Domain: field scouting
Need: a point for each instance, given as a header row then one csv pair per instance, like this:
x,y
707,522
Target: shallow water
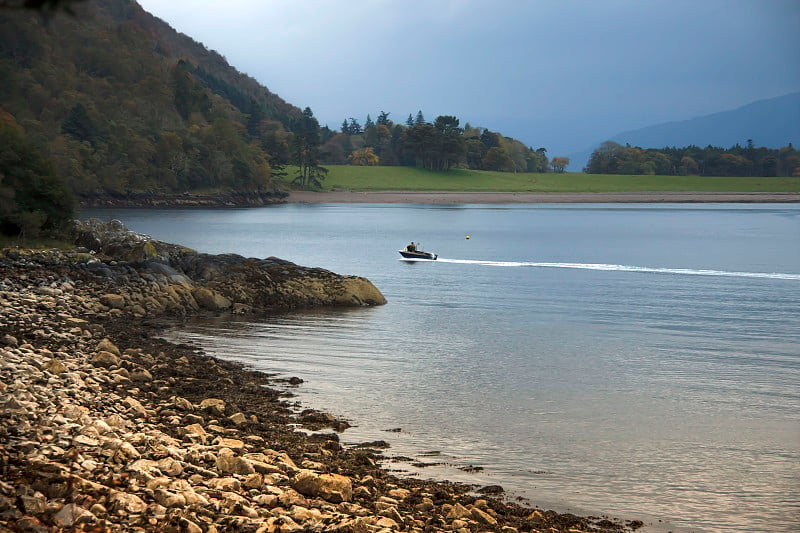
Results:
x,y
640,361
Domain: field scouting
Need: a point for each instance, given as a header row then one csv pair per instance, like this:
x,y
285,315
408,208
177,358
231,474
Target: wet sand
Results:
x,y
454,198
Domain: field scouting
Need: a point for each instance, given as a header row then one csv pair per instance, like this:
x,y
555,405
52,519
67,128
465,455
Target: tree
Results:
x,y
605,159
688,166
79,125
490,139
452,148
33,197
364,157
368,123
305,151
420,119
559,164
537,160
355,127
189,95
383,119
410,121
498,159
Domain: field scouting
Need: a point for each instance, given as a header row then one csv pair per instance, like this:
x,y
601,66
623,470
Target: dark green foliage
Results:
x,y
189,94
305,152
613,158
383,119
42,5
33,198
118,101
79,125
439,146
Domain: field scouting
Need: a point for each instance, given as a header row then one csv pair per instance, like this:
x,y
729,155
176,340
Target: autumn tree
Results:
x,y
559,164
364,157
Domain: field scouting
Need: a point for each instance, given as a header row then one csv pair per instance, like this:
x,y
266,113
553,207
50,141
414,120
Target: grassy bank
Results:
x,y
413,179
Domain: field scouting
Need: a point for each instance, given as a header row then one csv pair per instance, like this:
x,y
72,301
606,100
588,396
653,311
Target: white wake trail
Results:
x,y
627,268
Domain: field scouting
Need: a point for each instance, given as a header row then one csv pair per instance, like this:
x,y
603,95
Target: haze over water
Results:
x,y
637,360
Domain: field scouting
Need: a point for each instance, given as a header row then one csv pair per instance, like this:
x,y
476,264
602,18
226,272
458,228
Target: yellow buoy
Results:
x,y
467,237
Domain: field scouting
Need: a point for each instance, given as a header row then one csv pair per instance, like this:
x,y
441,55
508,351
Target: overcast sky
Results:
x,y
563,74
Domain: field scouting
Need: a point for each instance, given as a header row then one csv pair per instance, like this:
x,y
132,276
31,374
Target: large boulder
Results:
x,y
211,300
332,487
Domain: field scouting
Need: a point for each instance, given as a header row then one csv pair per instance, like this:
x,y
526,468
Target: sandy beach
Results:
x,y
453,198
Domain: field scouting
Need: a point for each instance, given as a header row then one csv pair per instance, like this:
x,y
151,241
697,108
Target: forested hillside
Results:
x,y
117,101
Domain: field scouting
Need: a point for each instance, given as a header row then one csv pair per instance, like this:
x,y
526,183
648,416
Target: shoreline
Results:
x,y
106,426
456,198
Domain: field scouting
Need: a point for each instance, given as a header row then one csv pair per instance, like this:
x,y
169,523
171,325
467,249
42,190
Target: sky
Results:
x,y
560,74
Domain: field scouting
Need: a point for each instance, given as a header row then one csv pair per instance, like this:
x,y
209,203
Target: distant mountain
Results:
x,y
772,123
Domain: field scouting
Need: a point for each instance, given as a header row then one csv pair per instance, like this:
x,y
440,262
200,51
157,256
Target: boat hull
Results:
x,y
418,255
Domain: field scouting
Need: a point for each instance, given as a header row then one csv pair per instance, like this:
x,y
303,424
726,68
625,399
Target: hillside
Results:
x,y
118,101
772,123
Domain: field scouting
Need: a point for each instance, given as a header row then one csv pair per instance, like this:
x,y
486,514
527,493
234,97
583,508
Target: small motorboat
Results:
x,y
412,251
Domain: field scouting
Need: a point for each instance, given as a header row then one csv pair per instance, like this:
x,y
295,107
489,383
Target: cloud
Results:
x,y
596,66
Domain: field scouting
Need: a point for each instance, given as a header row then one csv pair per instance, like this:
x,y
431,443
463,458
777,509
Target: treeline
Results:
x,y
748,160
439,145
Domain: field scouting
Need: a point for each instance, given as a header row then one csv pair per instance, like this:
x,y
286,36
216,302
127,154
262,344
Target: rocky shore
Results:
x,y
191,200
105,427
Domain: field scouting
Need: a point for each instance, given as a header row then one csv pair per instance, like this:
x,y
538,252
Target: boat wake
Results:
x,y
627,268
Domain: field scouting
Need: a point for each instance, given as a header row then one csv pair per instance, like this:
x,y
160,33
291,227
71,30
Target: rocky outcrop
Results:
x,y
189,200
157,277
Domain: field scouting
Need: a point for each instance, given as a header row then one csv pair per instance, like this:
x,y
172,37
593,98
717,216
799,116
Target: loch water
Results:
x,y
635,360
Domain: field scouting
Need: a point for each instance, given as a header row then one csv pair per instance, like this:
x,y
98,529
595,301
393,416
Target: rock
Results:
x,y
197,430
182,404
72,515
234,444
114,301
254,481
400,494
213,405
458,511
170,466
229,463
9,340
482,517
141,375
168,498
135,406
211,300
332,487
227,484
105,359
106,345
54,366
238,418
358,291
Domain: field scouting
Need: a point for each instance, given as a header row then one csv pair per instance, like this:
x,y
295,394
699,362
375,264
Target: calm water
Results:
x,y
639,361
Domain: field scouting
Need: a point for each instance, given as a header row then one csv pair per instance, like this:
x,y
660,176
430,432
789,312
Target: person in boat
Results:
x,y
411,247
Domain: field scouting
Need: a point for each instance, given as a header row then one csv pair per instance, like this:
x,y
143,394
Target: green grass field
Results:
x,y
356,178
